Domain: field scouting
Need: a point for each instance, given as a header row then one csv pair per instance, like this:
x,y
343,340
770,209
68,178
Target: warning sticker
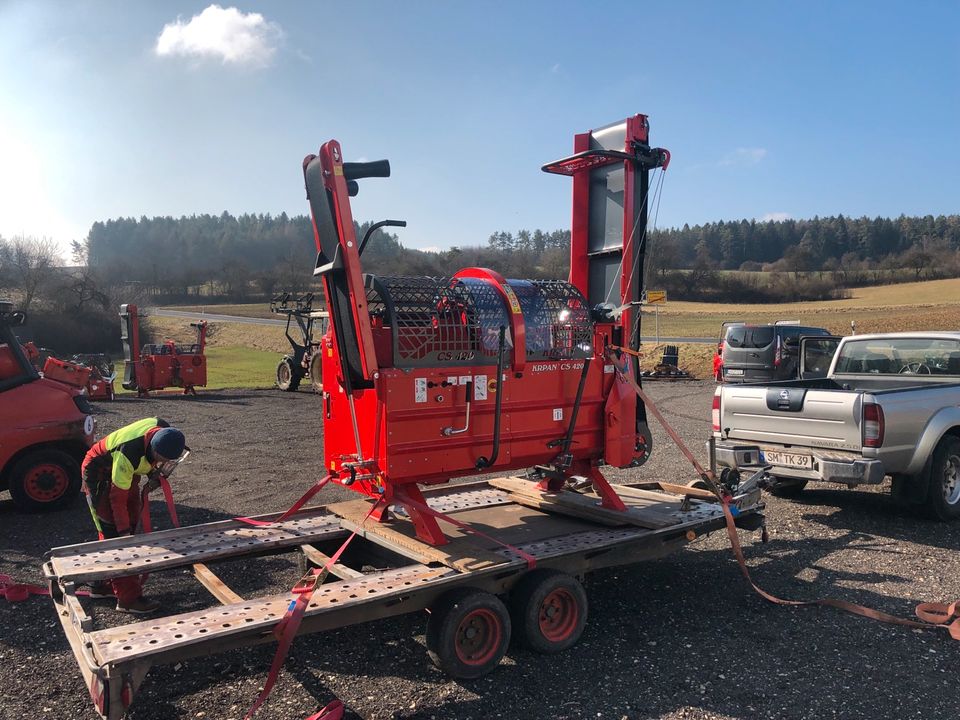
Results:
x,y
479,387
452,380
512,299
558,413
608,369
420,390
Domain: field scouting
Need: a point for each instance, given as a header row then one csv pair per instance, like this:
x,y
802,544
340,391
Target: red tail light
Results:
x,y
715,413
872,425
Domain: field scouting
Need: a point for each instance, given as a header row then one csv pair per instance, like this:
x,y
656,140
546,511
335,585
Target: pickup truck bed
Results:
x,y
853,427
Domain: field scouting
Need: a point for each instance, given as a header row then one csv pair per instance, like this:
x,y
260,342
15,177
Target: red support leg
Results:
x,y
609,499
428,530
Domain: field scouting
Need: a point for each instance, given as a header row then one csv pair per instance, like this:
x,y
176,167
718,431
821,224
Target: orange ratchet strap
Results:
x,y
933,616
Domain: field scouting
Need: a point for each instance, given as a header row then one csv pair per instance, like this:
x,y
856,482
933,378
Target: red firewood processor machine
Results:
x,y
156,366
428,379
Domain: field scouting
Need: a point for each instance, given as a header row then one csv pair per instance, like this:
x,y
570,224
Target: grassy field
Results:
x,y
254,310
931,305
234,367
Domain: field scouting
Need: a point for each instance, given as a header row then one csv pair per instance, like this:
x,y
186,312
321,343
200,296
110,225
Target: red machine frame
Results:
x,y
391,423
155,367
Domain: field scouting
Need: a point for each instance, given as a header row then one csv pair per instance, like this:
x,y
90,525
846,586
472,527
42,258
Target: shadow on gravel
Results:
x,y
876,513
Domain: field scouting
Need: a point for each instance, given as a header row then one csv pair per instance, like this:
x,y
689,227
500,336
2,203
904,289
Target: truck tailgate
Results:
x,y
792,416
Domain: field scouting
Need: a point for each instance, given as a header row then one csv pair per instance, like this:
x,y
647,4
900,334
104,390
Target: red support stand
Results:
x,y
609,499
427,527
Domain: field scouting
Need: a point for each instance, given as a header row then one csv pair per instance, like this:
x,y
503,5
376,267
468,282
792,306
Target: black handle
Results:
x,y
359,170
376,226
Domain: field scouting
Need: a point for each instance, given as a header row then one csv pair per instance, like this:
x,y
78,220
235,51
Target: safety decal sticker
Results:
x,y
420,390
479,387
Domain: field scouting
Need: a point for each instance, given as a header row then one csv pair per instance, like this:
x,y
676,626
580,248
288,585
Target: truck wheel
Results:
x,y
787,487
548,610
943,493
44,480
288,379
316,371
468,633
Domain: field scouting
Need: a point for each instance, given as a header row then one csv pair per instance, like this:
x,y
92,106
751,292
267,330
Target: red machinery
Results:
x,y
158,366
46,427
426,379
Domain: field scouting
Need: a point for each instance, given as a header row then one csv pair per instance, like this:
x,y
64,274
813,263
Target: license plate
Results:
x,y
733,372
796,460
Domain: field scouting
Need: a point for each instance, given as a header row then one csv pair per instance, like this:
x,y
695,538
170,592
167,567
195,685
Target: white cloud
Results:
x,y
220,33
775,217
744,156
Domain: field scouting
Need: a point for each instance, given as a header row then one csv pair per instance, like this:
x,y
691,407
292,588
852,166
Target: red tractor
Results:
x,y
46,427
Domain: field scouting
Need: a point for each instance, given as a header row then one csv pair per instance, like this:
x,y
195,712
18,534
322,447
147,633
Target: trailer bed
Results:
x,y
565,530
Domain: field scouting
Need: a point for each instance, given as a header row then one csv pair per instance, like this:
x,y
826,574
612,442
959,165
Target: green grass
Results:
x,y
240,367
234,367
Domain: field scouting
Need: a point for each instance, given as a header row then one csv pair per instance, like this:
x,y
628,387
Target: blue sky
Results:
x,y
769,109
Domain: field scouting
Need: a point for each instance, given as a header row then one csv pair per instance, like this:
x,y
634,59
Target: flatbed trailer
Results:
x,y
563,530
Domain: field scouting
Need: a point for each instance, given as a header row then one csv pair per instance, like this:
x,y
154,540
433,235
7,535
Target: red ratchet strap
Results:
x,y
286,630
934,616
18,592
293,508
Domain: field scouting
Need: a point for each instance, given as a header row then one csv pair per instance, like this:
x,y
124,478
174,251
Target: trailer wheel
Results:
x,y
44,480
288,379
787,487
468,633
943,492
316,371
549,611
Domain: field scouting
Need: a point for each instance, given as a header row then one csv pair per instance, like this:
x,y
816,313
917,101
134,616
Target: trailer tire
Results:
x,y
43,480
468,633
316,370
787,487
943,491
288,379
549,611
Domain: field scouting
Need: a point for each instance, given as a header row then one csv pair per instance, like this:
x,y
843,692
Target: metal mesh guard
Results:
x,y
557,320
456,321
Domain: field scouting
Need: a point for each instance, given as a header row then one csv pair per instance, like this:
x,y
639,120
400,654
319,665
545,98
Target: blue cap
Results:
x,y
168,442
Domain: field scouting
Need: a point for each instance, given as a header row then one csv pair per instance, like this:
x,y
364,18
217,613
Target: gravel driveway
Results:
x,y
682,637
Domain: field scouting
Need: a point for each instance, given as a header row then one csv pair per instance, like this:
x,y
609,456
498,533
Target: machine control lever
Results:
x,y
449,431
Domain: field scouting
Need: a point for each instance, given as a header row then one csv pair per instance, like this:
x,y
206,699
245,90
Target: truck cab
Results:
x,y
46,427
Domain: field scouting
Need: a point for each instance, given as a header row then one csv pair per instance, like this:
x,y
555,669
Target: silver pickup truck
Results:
x,y
887,405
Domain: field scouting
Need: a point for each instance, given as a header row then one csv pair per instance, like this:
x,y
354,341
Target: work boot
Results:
x,y
140,606
100,590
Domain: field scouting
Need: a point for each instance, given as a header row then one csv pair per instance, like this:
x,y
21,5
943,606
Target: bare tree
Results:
x,y
33,264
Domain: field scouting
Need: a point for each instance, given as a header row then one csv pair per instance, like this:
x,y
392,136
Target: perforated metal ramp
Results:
x,y
167,549
158,637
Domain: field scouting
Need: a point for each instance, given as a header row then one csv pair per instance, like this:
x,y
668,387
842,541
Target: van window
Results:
x,y
752,337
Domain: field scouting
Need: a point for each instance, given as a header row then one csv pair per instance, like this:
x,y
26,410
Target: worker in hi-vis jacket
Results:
x,y
112,471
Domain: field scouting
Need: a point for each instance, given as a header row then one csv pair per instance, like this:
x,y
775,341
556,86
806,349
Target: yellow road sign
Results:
x,y
656,297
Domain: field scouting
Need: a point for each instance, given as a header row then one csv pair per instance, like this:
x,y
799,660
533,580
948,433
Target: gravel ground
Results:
x,y
682,637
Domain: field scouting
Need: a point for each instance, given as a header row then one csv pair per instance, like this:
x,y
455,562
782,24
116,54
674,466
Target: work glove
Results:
x,y
153,480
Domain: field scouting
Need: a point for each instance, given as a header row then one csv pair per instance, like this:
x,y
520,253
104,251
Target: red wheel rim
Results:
x,y
46,482
559,614
478,637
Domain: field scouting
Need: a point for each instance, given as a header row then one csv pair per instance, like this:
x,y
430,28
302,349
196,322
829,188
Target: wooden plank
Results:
x,y
673,488
215,585
399,535
321,559
584,506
